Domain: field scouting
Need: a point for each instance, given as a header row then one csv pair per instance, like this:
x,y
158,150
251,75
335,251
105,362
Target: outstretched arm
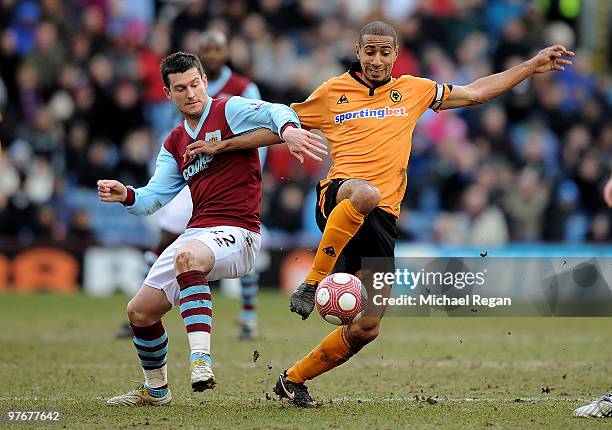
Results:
x,y
245,115
255,139
166,183
299,142
489,87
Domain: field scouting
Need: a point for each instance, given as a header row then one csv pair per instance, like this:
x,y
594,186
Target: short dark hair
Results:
x,y
179,62
378,28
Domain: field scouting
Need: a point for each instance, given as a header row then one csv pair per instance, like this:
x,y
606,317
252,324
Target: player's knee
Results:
x,y
370,334
184,260
137,317
365,198
362,334
194,255
360,338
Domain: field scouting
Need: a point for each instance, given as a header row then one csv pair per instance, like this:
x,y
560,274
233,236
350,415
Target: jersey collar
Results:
x,y
194,133
355,71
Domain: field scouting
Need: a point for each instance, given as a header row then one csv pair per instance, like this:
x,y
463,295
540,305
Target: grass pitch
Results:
x,y
58,353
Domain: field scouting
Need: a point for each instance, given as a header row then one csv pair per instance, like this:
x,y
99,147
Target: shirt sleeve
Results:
x,y
251,92
166,183
429,94
313,112
441,94
244,115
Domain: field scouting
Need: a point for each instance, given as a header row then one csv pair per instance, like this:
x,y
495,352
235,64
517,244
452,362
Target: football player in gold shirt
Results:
x,y
368,118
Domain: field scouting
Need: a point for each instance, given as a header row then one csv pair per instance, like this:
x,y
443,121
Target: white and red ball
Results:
x,y
341,298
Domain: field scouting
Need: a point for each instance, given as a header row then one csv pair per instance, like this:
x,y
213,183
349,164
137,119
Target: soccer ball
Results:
x,y
341,298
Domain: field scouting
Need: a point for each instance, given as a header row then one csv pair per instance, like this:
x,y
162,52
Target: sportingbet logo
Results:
x,y
370,113
200,164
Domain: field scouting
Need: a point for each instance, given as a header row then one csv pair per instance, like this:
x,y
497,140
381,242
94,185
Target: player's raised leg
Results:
x,y
355,199
145,311
192,261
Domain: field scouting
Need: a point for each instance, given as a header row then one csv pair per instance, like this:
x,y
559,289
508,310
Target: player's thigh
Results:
x,y
235,250
162,275
147,306
373,247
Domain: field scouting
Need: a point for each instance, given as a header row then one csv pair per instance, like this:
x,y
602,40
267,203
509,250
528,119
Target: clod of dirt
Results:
x,y
255,355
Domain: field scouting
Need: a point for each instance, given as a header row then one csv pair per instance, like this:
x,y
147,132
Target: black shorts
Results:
x,y
375,238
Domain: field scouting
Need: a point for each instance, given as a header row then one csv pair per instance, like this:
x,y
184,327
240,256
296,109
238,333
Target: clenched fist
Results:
x,y
110,190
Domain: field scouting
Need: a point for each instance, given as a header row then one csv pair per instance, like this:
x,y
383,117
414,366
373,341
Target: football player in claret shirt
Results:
x,y
222,237
223,83
368,118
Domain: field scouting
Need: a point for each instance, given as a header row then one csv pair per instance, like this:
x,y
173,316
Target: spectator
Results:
x,y
480,223
48,54
525,204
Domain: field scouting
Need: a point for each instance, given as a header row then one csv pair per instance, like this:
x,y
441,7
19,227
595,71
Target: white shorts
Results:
x,y
176,214
235,251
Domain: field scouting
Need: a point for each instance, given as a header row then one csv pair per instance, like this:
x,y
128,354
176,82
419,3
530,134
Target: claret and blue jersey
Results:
x,y
225,188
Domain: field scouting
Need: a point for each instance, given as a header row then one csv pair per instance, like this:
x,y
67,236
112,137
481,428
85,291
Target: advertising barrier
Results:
x,y
101,271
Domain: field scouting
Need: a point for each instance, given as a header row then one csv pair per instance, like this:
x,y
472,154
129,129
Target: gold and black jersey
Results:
x,y
369,129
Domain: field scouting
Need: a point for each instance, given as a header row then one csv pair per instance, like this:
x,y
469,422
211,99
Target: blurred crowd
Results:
x,y
81,99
